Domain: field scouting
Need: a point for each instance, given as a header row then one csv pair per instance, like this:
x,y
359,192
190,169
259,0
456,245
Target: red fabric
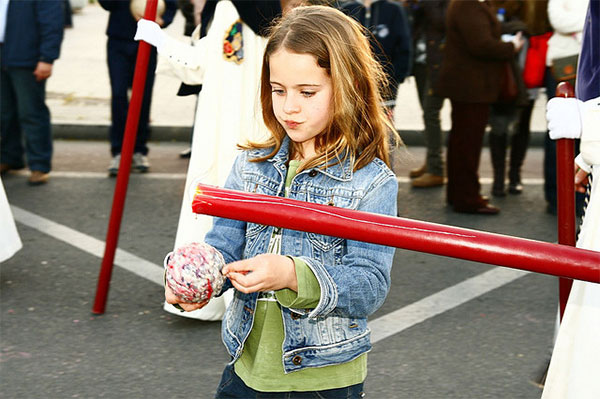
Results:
x,y
535,62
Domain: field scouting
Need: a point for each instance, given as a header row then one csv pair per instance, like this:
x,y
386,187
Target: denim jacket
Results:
x,y
354,277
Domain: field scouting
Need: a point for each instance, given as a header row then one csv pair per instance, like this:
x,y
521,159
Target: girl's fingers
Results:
x,y
245,289
245,280
169,296
188,307
246,283
239,266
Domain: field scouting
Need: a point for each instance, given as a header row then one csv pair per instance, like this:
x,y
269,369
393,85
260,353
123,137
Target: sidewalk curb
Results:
x,y
183,134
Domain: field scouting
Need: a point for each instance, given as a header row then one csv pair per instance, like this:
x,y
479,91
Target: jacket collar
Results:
x,y
341,171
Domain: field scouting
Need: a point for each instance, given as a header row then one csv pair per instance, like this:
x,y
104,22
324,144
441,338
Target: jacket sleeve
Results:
x,y
473,24
186,62
50,20
359,286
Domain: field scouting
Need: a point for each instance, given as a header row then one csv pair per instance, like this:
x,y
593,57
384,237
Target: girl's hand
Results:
x,y
188,307
266,272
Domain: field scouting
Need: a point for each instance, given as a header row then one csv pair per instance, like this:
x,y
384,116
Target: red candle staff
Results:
x,y
131,126
565,193
496,249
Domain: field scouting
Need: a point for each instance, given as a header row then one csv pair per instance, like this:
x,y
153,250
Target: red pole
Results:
x,y
478,246
131,126
565,177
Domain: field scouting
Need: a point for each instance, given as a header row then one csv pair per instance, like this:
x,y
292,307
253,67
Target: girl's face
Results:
x,y
302,97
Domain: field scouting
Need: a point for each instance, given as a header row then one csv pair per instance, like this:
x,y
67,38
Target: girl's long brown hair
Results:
x,y
358,127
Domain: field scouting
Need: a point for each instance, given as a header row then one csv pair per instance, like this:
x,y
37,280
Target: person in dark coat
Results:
x,y
29,45
391,40
121,51
471,77
505,129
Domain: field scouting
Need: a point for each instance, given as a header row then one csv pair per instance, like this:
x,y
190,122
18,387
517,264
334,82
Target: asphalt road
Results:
x,y
487,345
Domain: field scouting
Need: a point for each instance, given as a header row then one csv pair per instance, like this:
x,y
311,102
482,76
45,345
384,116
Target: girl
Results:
x,y
298,320
227,62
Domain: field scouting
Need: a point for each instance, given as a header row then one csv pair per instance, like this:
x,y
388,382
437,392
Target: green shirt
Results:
x,y
261,364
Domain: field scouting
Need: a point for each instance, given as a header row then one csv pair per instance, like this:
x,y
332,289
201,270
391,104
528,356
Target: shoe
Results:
x,y
4,167
515,188
418,172
37,178
428,180
140,163
113,168
498,192
484,209
185,153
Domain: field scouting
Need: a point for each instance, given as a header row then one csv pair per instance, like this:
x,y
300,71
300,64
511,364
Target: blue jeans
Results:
x,y
24,115
232,386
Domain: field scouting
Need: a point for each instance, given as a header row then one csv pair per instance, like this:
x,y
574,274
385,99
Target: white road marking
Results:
x,y
382,327
446,299
91,245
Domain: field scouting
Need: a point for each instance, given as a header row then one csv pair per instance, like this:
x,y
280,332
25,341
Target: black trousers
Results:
x,y
121,58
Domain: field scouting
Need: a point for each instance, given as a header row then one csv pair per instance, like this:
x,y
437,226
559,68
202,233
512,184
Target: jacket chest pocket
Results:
x,y
330,249
254,235
255,238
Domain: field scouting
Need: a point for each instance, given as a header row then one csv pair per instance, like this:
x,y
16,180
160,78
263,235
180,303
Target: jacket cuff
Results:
x,y
328,298
309,291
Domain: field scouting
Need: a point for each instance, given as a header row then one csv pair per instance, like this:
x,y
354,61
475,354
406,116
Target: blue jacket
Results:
x,y
354,277
34,32
122,25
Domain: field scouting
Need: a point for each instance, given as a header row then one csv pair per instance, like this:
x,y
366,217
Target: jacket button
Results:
x,y
297,360
312,173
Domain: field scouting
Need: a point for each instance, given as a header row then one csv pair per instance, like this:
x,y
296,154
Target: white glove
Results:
x,y
582,164
564,118
151,33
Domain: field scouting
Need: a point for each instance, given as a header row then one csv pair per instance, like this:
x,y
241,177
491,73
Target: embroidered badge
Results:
x,y
233,44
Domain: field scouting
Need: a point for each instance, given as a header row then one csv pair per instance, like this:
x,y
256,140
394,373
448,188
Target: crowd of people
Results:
x,y
309,88
435,44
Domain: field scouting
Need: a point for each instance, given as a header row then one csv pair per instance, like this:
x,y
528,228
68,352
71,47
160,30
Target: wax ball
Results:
x,y
193,272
